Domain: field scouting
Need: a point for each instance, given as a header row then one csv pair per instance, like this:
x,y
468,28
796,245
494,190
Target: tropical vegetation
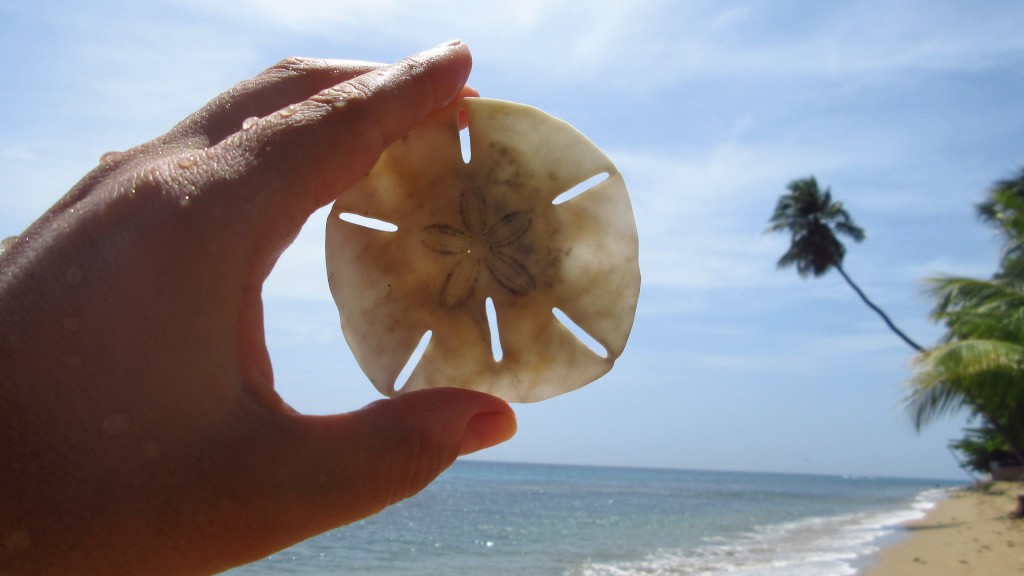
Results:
x,y
982,446
979,365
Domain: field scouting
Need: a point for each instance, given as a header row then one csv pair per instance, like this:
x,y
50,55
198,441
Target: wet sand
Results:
x,y
969,533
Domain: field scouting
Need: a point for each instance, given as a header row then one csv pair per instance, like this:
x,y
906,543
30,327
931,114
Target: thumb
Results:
x,y
296,476
353,465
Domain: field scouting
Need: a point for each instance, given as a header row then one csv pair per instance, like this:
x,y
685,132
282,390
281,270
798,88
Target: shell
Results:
x,y
484,229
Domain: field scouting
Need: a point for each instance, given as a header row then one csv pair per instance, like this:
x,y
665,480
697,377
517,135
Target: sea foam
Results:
x,y
820,546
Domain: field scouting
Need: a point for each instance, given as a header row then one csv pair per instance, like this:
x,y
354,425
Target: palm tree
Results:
x,y
813,219
1004,211
980,365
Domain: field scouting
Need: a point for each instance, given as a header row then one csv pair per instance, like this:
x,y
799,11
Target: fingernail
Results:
x,y
487,429
446,46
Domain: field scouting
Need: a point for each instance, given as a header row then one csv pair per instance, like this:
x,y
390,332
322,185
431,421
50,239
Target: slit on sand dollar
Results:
x,y
479,253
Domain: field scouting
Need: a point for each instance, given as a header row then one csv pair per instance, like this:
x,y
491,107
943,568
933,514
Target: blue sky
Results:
x,y
908,111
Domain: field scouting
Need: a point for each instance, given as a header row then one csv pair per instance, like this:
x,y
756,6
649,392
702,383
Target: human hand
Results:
x,y
141,432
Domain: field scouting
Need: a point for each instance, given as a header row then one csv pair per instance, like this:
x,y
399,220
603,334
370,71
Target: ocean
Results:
x,y
484,518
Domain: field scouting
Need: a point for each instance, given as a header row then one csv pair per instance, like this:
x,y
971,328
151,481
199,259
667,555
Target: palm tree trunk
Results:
x,y
878,310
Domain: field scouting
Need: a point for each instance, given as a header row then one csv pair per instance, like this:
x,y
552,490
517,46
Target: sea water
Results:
x,y
482,518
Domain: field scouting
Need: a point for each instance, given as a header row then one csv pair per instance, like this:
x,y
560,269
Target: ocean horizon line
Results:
x,y
654,468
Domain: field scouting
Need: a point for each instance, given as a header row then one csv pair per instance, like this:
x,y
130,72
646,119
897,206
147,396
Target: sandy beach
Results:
x,y
969,533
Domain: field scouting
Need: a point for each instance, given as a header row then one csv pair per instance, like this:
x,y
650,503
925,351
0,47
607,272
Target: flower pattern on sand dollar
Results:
x,y
480,243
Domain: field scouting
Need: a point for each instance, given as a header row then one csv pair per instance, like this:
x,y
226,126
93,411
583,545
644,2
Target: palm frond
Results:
x,y
812,219
848,228
972,308
1003,209
982,374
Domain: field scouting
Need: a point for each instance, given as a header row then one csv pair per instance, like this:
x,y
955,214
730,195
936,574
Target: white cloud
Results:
x,y
389,18
557,41
835,39
701,217
116,78
156,72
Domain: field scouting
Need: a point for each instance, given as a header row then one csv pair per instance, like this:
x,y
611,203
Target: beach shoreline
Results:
x,y
968,533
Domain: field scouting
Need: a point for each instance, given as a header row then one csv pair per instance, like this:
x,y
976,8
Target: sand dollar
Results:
x,y
491,233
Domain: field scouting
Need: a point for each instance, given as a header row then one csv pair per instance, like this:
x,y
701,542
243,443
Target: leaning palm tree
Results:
x,y
813,219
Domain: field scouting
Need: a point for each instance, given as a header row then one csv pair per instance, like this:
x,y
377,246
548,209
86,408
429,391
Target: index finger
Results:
x,y
308,153
287,82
